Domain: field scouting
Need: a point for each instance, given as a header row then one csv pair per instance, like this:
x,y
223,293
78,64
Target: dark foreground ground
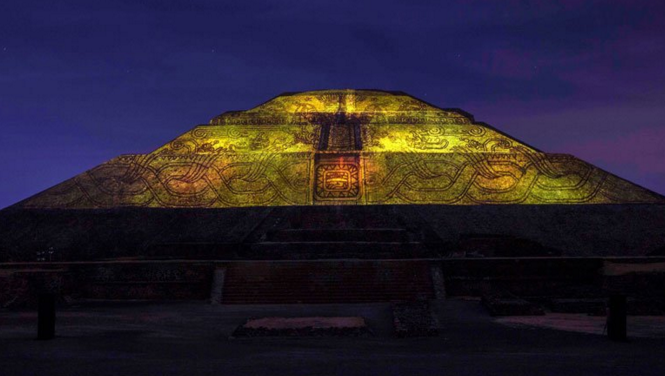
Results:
x,y
193,339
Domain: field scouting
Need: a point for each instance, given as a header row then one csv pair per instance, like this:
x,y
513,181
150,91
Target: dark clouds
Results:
x,y
84,81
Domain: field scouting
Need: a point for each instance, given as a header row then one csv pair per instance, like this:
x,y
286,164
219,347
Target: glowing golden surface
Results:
x,y
341,147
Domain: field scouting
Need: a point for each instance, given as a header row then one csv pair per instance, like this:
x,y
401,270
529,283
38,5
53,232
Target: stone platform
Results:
x,y
369,232
332,254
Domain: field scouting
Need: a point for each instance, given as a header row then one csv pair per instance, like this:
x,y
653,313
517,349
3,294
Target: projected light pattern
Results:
x,y
338,147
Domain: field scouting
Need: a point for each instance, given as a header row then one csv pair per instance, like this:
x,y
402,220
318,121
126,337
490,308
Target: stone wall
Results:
x,y
192,280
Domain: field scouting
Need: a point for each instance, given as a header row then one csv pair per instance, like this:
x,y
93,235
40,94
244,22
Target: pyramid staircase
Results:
x,y
331,255
324,232
312,282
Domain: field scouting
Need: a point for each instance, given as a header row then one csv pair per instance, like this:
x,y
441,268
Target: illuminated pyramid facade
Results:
x,y
337,147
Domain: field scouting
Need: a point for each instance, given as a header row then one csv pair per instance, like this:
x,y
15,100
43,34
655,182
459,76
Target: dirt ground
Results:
x,y
193,339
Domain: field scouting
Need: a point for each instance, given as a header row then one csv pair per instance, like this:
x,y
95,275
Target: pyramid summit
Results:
x,y
339,147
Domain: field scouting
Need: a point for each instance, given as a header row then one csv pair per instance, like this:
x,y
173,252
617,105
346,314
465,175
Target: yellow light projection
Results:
x,y
337,147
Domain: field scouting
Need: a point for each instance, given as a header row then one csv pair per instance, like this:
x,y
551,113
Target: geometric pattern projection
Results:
x,y
337,147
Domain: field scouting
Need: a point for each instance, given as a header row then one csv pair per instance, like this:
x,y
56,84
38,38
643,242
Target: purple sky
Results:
x,y
84,81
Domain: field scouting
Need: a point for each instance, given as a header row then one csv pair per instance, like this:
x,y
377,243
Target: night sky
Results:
x,y
84,81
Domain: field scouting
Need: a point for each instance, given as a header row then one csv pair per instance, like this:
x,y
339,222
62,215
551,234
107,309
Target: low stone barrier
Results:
x,y
303,327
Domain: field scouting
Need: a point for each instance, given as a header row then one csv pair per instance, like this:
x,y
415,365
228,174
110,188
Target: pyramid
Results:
x,y
340,147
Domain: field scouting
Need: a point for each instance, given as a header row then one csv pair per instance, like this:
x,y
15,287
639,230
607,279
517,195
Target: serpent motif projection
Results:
x,y
338,147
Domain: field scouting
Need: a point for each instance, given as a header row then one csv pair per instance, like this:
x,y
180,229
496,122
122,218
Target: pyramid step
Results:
x,y
336,250
335,217
340,235
327,282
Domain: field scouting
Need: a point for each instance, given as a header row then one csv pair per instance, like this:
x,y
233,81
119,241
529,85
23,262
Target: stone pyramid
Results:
x,y
336,147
